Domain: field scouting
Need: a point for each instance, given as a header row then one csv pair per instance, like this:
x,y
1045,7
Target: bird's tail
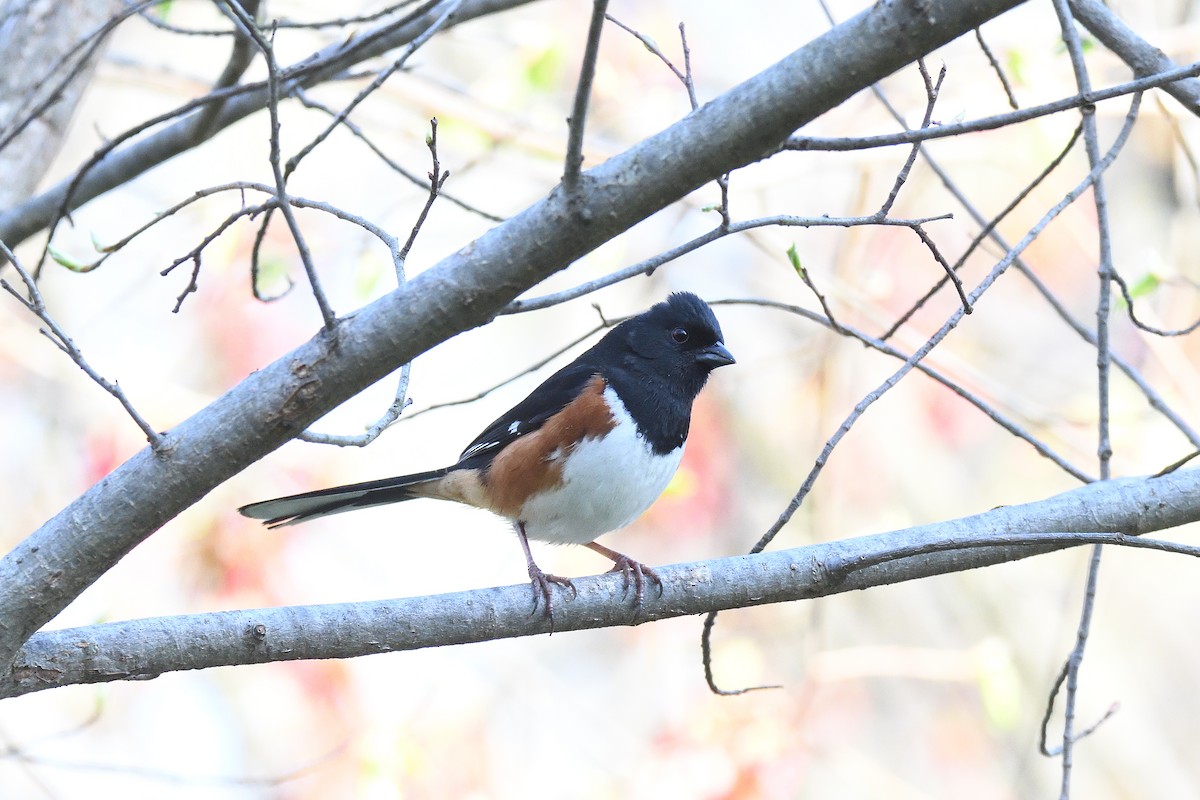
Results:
x,y
323,502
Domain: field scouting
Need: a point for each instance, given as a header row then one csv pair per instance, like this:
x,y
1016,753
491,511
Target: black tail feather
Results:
x,y
323,502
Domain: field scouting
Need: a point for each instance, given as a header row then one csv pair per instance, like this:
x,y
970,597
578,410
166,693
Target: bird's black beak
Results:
x,y
715,355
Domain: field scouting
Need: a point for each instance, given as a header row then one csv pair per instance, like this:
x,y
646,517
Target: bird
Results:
x,y
587,452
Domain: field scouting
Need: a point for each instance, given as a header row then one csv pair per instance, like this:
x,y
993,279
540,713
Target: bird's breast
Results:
x,y
605,482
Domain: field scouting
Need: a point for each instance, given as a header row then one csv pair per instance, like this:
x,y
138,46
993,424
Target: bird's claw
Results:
x,y
540,583
636,573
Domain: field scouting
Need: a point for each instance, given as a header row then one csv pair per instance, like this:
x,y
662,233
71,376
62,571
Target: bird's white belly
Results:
x,y
606,484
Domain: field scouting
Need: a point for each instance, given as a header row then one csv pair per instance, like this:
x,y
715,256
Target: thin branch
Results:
x,y
985,231
241,186
342,22
583,90
1153,398
149,774
380,78
400,402
882,346
120,159
240,57
34,302
1127,296
267,48
951,273
996,68
932,88
861,407
1091,142
534,367
1141,56
652,46
931,94
844,144
649,265
807,280
690,83
437,178
392,164
685,77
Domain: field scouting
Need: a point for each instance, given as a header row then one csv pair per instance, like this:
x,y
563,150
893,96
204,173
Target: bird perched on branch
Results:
x,y
585,453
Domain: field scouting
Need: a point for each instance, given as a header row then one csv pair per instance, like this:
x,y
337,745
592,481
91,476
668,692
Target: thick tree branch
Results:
x,y
1141,56
57,562
1107,511
44,77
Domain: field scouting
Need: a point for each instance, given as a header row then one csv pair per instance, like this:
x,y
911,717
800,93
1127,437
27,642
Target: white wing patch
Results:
x,y
516,426
477,449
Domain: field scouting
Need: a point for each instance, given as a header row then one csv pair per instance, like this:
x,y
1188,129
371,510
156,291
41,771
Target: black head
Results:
x,y
678,340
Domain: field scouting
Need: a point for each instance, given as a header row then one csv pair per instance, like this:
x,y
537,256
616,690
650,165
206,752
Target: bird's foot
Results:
x,y
637,574
540,582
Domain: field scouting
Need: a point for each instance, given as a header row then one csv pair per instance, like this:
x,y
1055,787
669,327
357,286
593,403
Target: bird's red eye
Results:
x,y
679,335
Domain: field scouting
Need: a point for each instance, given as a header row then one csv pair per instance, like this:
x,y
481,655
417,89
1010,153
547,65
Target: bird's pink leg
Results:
x,y
632,571
540,581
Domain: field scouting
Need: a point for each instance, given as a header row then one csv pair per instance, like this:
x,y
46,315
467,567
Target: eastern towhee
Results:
x,y
585,453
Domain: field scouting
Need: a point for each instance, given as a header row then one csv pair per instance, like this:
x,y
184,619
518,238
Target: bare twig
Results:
x,y
842,144
240,58
931,94
267,48
583,90
689,83
806,278
245,211
1141,56
985,231
395,166
54,332
996,68
341,22
534,367
649,265
951,273
380,78
1127,296
390,416
340,117
437,177
1103,355
124,159
932,88
861,407
192,286
1153,398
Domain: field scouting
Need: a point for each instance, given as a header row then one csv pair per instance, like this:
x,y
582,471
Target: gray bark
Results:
x,y
116,168
1141,56
53,565
34,37
146,648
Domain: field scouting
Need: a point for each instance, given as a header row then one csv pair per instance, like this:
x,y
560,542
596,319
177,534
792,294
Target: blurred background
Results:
x,y
932,689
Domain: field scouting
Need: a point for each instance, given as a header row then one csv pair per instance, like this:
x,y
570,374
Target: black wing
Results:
x,y
528,415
